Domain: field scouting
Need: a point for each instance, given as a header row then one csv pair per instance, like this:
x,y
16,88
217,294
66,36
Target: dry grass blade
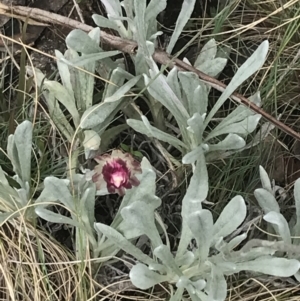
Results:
x,y
34,266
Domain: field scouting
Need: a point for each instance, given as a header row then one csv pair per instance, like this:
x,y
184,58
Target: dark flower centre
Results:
x,y
116,173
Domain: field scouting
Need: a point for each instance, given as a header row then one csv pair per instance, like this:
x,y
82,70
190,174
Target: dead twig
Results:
x,y
130,47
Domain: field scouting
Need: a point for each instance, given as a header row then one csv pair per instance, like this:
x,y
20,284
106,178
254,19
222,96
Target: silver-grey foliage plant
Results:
x,y
195,269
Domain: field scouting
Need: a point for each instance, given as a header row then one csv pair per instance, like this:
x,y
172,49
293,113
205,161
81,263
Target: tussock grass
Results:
x,y
33,266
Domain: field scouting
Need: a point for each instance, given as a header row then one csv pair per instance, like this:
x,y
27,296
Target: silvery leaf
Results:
x,y
64,73
164,254
199,101
101,114
184,15
143,127
240,113
143,278
90,58
280,267
201,225
87,201
186,259
3,179
195,126
82,42
216,285
121,242
263,132
213,67
207,53
173,82
77,78
56,190
231,141
266,200
189,82
226,267
236,241
6,216
153,9
178,294
63,96
139,20
192,156
123,90
196,193
23,141
282,227
103,22
253,64
53,217
265,180
161,91
140,215
9,198
112,7
199,284
242,128
253,253
231,217
297,276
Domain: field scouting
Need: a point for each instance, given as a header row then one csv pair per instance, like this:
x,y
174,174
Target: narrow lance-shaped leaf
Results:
x,y
189,82
231,141
143,127
121,242
231,217
265,180
53,217
280,267
185,13
266,200
90,58
63,96
103,22
201,225
196,193
140,10
98,114
154,8
64,73
242,128
282,227
217,286
253,64
123,90
23,141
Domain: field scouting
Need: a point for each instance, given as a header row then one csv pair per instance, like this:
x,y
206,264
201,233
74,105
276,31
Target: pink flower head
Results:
x,y
116,171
